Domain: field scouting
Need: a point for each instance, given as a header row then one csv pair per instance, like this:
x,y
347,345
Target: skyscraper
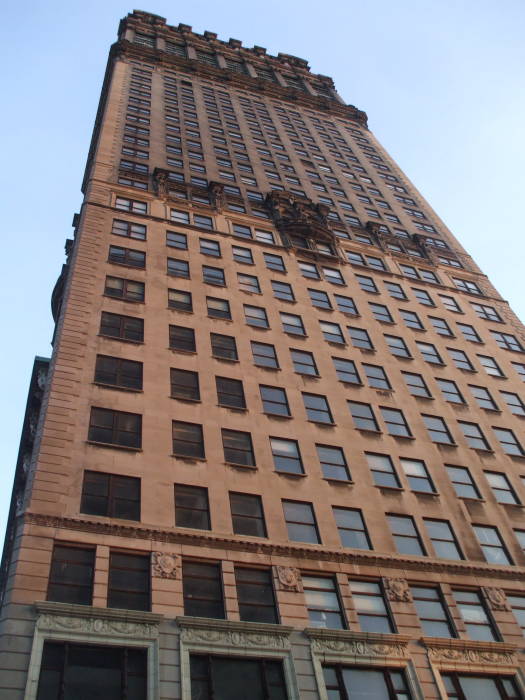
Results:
x,y
278,451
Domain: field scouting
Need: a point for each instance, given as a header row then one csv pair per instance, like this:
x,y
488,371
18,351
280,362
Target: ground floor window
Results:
x,y
466,687
85,671
345,683
231,678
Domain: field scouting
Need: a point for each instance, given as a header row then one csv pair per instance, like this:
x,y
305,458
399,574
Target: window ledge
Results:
x,y
339,482
235,409
184,352
70,610
216,318
402,437
433,494
269,369
187,458
277,415
397,489
296,335
259,328
512,505
322,425
252,467
518,457
482,450
127,301
223,359
424,398
181,311
121,340
112,446
368,431
184,399
291,474
336,344
446,444
103,385
368,351
472,500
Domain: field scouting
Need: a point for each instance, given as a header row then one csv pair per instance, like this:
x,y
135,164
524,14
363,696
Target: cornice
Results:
x,y
209,541
46,607
452,652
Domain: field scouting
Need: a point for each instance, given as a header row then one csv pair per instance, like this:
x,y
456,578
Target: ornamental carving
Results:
x,y
291,211
160,182
235,638
164,565
217,195
95,625
289,578
471,656
41,378
496,598
397,590
358,647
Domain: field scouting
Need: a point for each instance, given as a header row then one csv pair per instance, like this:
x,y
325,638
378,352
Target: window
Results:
x,y
397,346
202,589
520,536
333,276
180,300
466,286
203,222
492,545
274,262
322,602
514,403
472,687
371,607
247,514
462,482
126,256
417,475
486,312
184,385
71,574
218,308
416,384
223,347
256,316
520,369
395,422
443,539
460,359
231,677
238,448
382,683
490,366
367,284
319,299
242,255
301,522
69,670
346,305
213,275
129,581
382,470
474,436
230,392
405,534
333,463
423,297
115,428
381,313
332,332
517,603
377,377
507,341
304,362
475,616
191,507
441,326
187,440
309,270
264,355
429,353
450,303
274,400
501,488
286,456
360,338
211,248
264,236
469,333
395,290
438,430
432,612
128,290
181,217
483,397
242,231
182,338
363,416
509,441
129,229
292,324
110,495
351,528
117,372
255,595
450,390
411,319
282,290
131,205
122,327
248,283
317,408
346,371
178,268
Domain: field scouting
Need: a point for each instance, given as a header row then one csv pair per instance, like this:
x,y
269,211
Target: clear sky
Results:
x,y
441,81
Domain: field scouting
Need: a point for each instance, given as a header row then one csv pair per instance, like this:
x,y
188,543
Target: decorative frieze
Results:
x,y
357,645
450,653
242,635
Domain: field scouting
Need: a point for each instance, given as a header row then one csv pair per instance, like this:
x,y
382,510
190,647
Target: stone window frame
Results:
x,y
63,622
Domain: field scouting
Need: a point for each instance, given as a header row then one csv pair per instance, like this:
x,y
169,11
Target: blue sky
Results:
x,y
441,81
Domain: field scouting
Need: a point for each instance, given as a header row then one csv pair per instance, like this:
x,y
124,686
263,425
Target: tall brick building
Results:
x,y
278,451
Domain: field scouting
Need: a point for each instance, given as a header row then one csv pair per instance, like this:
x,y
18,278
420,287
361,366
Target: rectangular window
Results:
x,y
317,408
351,528
443,539
360,338
514,403
223,346
117,372
247,514
432,612
367,284
248,283
333,463
182,338
501,488
213,275
430,353
202,589
211,248
333,276
332,332
474,435
492,545
256,316
346,371
255,595
395,422
417,475
395,290
507,341
520,370
264,355
322,602
129,581
231,677
301,522
469,333
483,397
517,603
286,456
320,299
363,416
382,470
122,327
238,448
274,262
469,687
490,366
230,392
416,385
304,362
440,326
475,616
488,313
110,495
309,270
509,441
450,303
274,400
371,607
188,439
282,290
218,308
397,346
181,217
438,430
423,297
131,205
192,508
377,377
179,300
342,682
381,313
460,359
450,391
203,222
462,482
115,428
242,231
178,268
242,255
411,319
466,286
346,305
71,574
129,229
405,534
126,256
127,290
292,324
184,385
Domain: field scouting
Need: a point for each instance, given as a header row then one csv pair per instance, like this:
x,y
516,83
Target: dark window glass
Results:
x,y
411,319
469,333
397,346
405,534
211,248
474,435
367,284
371,607
450,390
507,341
274,262
462,482
395,422
238,447
514,403
360,338
443,539
423,297
322,602
202,589
223,346
363,416
301,522
282,290
332,332
486,312
191,507
304,362
346,371
490,366
317,408
129,581
319,299
309,270
417,475
178,268
509,441
127,290
274,400
351,527
460,359
232,677
377,377
122,327
213,275
248,283
395,290
373,683
346,305
333,462
230,392
182,338
71,574
255,595
501,487
247,514
416,384
187,439
292,324
179,300
126,256
381,313
118,372
469,687
429,353
383,471
110,495
432,612
256,316
264,355
440,326
115,427
129,229
492,545
184,384
438,430
242,255
286,456
218,308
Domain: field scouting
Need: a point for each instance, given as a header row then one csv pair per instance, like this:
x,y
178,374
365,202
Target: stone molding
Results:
x,y
397,590
358,645
314,552
451,653
496,599
241,635
289,578
165,565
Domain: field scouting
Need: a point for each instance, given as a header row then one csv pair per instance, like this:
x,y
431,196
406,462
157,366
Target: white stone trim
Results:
x,y
88,625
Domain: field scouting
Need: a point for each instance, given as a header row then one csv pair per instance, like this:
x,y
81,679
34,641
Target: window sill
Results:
x,y
187,458
520,458
184,399
322,425
127,301
181,311
118,388
339,482
482,450
111,445
259,328
396,489
368,431
432,494
336,344
252,294
518,506
121,340
251,467
311,376
278,416
184,352
129,267
291,474
235,409
296,335
225,359
269,369
472,500
218,318
423,398
446,444
367,351
403,357
402,437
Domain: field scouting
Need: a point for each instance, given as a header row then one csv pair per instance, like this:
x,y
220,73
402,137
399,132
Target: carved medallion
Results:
x,y
397,589
289,578
164,565
496,598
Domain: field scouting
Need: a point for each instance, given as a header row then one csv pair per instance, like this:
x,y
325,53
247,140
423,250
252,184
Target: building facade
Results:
x,y
278,451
